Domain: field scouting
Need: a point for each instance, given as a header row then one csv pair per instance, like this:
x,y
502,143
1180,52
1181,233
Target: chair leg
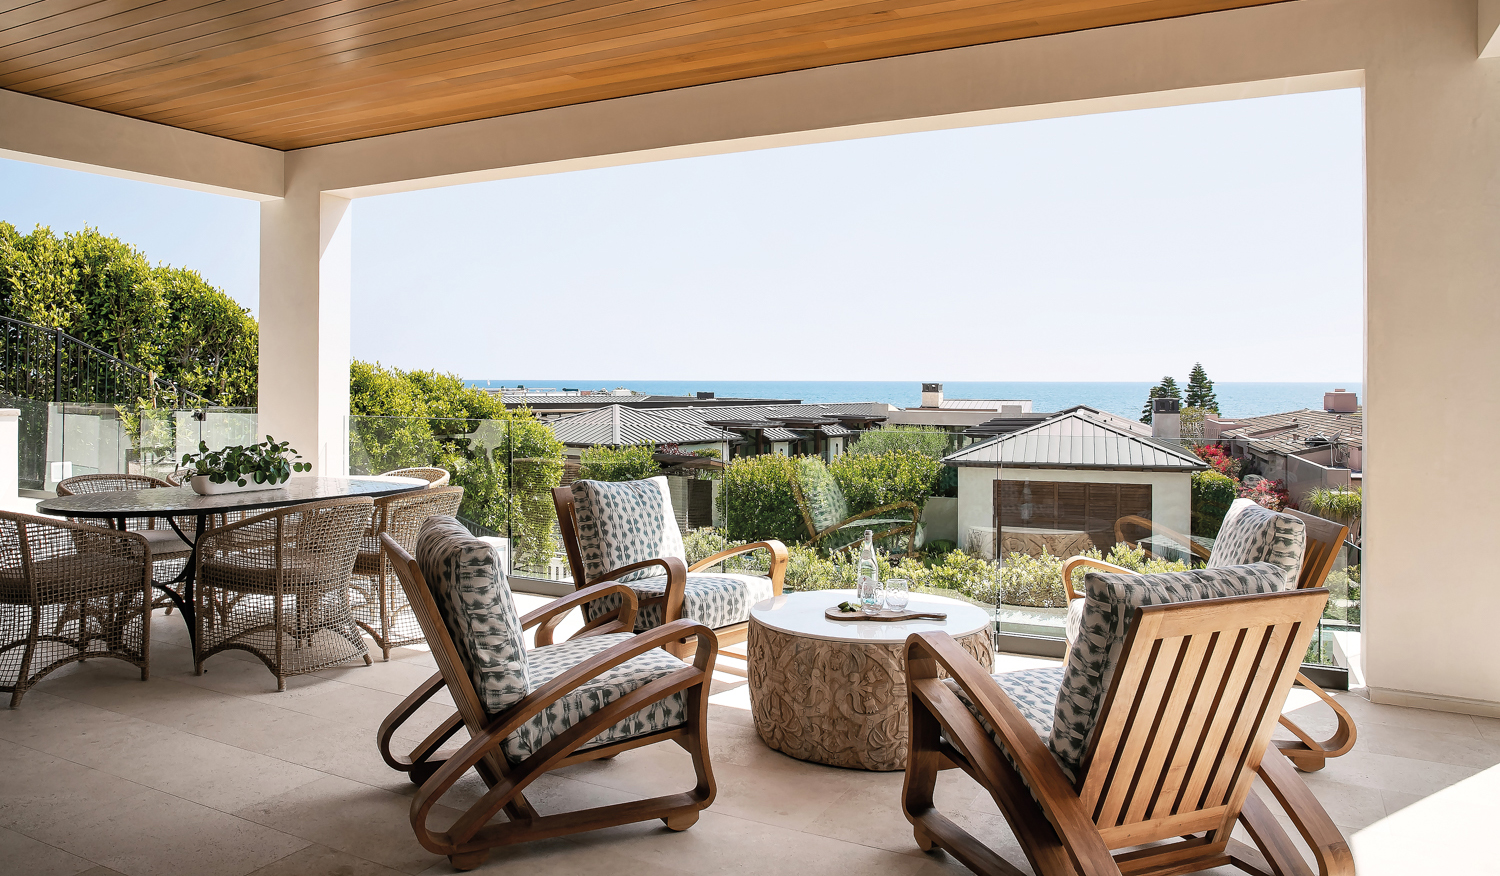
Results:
x,y
1309,754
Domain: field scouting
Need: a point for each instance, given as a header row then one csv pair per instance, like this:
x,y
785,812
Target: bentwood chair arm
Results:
x,y
456,839
1197,549
1329,847
883,509
621,620
671,600
1072,563
779,559
1058,799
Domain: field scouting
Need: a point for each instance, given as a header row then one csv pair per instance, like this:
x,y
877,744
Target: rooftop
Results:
x,y
620,426
1078,439
1289,432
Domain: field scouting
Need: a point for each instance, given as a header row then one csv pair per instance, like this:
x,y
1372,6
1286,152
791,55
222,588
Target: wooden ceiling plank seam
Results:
x,y
108,32
278,37
37,18
310,51
859,53
409,77
139,39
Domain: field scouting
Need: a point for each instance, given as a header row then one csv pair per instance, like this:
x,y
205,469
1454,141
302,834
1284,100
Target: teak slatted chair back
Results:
x,y
1324,540
1184,729
672,599
468,840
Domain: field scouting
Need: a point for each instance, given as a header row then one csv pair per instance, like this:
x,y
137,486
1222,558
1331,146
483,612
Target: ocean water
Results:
x,y
1125,399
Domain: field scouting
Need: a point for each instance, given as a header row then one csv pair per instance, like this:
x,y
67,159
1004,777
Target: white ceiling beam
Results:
x,y
62,135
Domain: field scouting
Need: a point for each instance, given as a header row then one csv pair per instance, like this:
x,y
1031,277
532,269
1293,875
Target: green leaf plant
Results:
x,y
268,462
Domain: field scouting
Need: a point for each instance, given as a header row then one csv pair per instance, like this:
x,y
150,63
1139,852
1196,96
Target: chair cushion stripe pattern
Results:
x,y
715,600
1253,534
474,599
550,661
1110,601
1034,691
624,523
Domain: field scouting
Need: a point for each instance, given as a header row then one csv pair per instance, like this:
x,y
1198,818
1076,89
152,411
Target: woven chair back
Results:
x,y
402,514
1197,691
435,477
308,544
79,485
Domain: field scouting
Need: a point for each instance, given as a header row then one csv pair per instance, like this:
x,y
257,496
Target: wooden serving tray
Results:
x,y
885,615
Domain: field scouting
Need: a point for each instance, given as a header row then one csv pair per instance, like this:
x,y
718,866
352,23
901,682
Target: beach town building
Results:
x,y
1307,449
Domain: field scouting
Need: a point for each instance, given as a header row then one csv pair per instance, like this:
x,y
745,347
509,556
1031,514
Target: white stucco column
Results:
x,y
305,268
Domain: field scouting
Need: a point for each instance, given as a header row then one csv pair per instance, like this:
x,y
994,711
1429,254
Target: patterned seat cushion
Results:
x,y
1252,534
624,523
474,599
1075,620
1110,601
715,600
550,661
1034,691
826,504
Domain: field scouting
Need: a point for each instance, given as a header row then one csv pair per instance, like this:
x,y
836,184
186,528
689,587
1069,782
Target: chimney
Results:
x,y
932,395
1166,418
1340,402
705,395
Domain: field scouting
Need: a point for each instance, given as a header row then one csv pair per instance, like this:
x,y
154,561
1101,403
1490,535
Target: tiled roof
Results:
x,y
843,410
620,426
1288,432
1078,440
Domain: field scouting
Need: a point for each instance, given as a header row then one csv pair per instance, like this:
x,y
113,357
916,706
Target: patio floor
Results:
x,y
219,775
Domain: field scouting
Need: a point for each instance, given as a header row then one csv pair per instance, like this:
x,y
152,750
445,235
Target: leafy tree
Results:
x,y
1166,389
869,482
924,440
1212,494
602,463
1200,390
209,343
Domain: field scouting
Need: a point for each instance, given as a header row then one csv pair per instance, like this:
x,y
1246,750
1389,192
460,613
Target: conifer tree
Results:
x,y
1200,390
1166,389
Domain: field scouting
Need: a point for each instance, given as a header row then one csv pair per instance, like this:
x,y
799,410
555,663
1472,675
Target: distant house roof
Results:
x,y
983,404
778,413
1078,440
1288,433
619,426
1015,423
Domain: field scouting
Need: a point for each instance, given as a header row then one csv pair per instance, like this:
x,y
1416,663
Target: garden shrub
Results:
x,y
871,481
601,463
1267,494
1219,459
757,503
1213,493
924,440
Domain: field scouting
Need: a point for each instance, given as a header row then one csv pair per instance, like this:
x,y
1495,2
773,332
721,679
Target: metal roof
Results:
x,y
1078,440
779,435
620,426
755,413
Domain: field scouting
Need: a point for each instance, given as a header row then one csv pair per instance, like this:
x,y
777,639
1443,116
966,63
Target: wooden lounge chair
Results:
x,y
602,692
1152,781
826,514
1323,540
603,545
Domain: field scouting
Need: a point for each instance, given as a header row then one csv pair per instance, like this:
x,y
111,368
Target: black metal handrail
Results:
x,y
48,364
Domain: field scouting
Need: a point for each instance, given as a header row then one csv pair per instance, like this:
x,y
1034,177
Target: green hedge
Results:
x,y
1213,493
757,500
618,463
872,480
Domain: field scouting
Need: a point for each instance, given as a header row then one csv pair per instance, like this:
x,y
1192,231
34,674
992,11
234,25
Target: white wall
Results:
x,y
1171,493
1433,215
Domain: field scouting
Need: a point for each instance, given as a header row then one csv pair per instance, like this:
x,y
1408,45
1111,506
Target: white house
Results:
x,y
1063,483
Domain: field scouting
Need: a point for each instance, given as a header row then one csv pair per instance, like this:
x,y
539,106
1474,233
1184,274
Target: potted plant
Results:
x,y
262,466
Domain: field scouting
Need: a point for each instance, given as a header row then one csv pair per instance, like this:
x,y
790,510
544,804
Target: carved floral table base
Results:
x,y
839,703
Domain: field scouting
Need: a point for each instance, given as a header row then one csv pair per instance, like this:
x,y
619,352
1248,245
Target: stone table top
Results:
x,y
801,614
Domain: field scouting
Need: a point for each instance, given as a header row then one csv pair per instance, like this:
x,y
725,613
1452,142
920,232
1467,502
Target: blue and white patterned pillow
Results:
x,y
1109,604
624,523
1253,534
469,587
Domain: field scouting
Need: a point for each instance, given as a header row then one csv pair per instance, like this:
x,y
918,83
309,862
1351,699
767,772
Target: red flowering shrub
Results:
x,y
1267,493
1219,460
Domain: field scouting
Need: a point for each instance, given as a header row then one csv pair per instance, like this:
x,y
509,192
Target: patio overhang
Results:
x,y
1432,128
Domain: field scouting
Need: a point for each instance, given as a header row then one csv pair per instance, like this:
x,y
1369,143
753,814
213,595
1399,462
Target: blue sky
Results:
x,y
1107,247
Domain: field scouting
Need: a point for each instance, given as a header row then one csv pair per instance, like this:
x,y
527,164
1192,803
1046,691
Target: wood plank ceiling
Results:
x,y
294,73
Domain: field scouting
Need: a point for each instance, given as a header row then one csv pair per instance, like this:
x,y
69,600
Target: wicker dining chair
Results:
x,y
167,547
69,592
380,604
277,585
435,477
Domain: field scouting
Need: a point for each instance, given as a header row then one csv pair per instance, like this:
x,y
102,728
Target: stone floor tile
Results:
x,y
561,857
397,677
101,871
1388,773
1448,831
318,860
39,791
20,854
1394,739
351,817
1365,712
156,834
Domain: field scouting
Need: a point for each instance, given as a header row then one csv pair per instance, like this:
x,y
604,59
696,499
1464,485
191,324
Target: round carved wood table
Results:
x,y
834,691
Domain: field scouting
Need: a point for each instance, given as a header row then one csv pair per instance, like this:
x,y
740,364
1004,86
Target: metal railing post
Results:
x,y
57,337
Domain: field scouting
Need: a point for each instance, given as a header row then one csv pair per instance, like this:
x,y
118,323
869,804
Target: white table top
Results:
x,y
801,614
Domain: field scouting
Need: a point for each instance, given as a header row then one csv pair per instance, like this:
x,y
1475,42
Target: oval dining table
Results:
x,y
169,503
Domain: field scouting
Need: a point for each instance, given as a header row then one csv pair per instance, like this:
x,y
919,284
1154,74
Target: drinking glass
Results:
x,y
897,593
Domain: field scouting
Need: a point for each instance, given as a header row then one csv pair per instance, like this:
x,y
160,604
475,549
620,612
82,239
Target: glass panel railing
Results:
x,y
62,440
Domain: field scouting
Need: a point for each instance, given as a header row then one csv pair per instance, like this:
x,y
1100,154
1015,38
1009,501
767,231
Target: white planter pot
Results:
x,y
205,487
